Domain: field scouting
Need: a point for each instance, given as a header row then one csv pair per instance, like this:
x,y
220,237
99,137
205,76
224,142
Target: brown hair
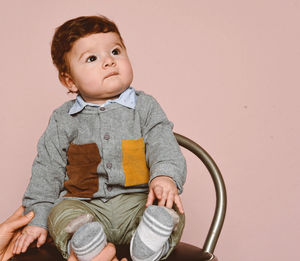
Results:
x,y
74,29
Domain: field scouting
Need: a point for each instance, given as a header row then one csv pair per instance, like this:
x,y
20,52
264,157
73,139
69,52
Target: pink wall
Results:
x,y
226,73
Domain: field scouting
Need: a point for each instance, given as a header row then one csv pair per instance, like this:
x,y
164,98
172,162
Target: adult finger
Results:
x,y
20,222
18,213
108,253
72,256
179,204
150,198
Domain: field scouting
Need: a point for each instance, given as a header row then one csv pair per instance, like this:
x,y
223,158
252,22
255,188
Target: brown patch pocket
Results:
x,y
134,162
83,161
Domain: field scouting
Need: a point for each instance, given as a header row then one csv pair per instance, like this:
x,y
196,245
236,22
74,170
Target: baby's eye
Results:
x,y
91,58
116,51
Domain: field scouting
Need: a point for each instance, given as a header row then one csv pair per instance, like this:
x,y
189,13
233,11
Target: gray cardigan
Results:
x,y
101,153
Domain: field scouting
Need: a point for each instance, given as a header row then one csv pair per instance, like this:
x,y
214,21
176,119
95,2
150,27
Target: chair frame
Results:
x,y
220,190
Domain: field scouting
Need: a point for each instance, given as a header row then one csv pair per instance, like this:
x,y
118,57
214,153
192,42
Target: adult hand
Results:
x,y
107,254
10,231
165,190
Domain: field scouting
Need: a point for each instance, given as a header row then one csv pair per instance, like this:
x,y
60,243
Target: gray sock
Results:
x,y
150,241
88,241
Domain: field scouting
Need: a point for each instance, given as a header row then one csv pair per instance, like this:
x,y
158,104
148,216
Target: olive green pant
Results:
x,y
119,217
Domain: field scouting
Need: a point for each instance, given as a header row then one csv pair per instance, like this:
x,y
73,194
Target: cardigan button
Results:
x,y
106,136
102,109
109,188
109,165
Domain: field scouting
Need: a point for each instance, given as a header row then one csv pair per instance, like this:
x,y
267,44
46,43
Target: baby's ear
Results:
x,y
68,82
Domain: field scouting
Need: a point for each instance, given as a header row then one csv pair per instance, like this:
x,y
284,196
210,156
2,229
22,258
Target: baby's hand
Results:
x,y
28,235
165,190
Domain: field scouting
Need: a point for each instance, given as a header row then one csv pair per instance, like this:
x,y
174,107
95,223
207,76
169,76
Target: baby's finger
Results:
x,y
20,243
27,241
150,198
16,244
26,244
158,191
162,201
179,204
170,200
42,239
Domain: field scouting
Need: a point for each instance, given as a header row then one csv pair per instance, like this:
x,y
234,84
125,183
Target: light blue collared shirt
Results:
x,y
127,99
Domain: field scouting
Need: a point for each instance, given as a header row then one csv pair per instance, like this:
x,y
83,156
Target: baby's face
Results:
x,y
99,67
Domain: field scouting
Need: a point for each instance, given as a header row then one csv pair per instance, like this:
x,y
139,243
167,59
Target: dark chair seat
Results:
x,y
183,252
49,252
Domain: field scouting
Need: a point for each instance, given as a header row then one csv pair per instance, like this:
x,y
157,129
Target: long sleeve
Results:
x,y
163,153
48,175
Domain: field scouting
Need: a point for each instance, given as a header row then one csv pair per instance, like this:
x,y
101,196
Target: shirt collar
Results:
x,y
127,99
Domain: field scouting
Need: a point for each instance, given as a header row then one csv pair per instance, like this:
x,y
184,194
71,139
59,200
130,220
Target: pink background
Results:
x,y
226,73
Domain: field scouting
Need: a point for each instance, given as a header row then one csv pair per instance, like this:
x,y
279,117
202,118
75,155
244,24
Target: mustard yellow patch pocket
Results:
x,y
134,162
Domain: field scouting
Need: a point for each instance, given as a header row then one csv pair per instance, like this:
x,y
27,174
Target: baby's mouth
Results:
x,y
110,75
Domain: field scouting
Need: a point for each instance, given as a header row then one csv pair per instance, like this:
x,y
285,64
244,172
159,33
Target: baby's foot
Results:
x,y
88,241
150,241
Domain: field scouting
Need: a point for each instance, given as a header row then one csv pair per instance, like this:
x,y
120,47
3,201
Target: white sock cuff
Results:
x,y
155,227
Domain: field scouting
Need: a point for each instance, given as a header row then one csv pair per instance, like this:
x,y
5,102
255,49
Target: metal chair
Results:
x,y
183,251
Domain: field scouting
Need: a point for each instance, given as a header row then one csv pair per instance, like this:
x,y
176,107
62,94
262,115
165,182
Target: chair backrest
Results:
x,y
221,198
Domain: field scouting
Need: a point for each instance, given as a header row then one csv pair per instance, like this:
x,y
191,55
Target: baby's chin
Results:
x,y
113,95
115,91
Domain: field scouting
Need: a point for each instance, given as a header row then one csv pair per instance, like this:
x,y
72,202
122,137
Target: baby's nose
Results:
x,y
108,61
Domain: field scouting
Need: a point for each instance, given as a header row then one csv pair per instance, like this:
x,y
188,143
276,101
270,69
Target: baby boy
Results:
x,y
108,166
